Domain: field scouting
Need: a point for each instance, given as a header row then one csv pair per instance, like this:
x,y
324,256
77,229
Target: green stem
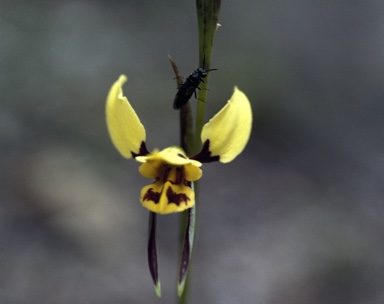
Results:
x,y
189,216
185,115
207,15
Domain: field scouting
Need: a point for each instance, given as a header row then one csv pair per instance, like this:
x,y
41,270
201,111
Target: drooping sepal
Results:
x,y
152,253
125,129
226,134
187,250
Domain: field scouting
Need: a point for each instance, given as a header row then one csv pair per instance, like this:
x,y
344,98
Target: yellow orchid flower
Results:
x,y
223,137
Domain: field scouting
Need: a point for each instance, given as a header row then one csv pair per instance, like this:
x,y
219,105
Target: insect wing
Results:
x,y
189,87
183,95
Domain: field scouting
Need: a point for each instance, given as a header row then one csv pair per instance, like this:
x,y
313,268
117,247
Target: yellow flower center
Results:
x,y
174,173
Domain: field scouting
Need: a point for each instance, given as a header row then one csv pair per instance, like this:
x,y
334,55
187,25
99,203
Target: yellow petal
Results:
x,y
167,198
125,129
192,173
228,131
150,169
172,156
155,168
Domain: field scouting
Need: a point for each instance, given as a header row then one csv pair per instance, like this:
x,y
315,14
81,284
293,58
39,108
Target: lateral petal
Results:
x,y
125,129
227,133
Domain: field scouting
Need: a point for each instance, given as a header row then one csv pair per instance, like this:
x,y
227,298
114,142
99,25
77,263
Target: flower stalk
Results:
x,y
207,15
185,115
187,218
207,19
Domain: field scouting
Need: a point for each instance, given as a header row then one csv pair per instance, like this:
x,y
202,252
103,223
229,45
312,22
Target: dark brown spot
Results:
x,y
205,156
151,195
177,198
172,197
164,173
142,152
179,176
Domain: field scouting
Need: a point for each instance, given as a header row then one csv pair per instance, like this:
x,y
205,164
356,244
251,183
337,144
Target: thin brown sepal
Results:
x,y
187,249
152,253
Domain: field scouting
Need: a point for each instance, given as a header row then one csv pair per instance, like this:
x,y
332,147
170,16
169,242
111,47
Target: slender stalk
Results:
x,y
187,218
185,115
207,15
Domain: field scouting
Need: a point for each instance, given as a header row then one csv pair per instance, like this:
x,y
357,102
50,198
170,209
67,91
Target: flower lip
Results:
x,y
173,156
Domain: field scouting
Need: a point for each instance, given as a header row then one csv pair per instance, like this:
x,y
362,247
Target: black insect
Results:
x,y
190,85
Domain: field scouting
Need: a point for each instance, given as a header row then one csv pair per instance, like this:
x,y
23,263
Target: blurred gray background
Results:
x,y
297,218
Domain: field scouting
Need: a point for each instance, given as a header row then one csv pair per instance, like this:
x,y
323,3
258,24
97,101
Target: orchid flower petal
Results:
x,y
124,126
226,134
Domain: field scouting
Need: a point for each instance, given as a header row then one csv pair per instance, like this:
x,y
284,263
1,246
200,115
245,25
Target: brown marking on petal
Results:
x,y
179,176
181,155
205,156
151,195
172,197
177,198
142,151
165,170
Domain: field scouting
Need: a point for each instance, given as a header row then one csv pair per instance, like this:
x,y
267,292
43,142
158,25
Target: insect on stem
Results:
x,y
189,87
